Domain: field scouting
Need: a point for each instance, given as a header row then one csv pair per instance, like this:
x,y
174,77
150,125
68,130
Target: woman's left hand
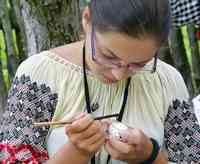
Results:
x,y
138,147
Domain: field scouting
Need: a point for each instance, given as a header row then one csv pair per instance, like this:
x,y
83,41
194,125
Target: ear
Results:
x,y
86,20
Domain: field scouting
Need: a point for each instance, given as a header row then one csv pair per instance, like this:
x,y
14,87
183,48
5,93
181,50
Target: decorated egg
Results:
x,y
116,129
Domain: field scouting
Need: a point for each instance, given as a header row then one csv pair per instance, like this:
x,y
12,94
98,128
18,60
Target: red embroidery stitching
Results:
x,y
32,155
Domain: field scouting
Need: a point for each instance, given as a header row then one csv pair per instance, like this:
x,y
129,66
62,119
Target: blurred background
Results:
x,y
30,26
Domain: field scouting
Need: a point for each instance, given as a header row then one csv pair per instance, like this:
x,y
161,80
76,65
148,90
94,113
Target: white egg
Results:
x,y
116,129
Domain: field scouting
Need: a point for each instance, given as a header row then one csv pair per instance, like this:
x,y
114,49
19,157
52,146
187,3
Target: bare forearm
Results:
x,y
161,159
68,154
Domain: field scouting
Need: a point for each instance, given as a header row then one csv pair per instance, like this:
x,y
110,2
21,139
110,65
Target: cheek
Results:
x,y
102,73
100,69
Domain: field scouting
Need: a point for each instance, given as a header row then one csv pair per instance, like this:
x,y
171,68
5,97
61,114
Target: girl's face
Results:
x,y
115,56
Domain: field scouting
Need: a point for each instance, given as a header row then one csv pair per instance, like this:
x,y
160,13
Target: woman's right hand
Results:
x,y
86,134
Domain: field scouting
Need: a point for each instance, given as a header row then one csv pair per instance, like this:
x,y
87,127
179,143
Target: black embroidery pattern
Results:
x,y
185,12
182,133
27,102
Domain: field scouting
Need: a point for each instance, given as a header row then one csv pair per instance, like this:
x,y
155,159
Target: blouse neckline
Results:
x,y
67,63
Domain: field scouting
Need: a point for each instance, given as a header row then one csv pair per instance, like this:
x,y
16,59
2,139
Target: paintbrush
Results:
x,y
62,123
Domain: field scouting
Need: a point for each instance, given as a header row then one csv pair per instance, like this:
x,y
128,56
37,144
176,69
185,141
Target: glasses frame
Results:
x,y
94,53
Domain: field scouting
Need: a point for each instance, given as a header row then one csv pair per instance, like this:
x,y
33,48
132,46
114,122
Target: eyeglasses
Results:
x,y
111,63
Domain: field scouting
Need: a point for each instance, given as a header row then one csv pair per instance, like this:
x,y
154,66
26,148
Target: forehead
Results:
x,y
127,48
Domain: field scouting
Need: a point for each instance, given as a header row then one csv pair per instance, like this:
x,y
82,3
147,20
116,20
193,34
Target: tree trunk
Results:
x,y
39,25
45,24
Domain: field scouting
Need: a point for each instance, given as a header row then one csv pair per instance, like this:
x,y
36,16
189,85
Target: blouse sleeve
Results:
x,y
28,102
182,133
181,128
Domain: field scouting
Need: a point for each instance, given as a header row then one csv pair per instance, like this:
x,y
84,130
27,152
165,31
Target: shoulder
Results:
x,y
172,82
170,77
43,68
167,70
36,63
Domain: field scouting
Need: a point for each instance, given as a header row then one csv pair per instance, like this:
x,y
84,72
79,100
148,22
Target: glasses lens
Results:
x,y
149,67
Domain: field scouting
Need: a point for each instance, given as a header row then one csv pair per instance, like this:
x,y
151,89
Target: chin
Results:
x,y
108,81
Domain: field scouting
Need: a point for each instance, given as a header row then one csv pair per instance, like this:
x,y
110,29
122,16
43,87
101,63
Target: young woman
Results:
x,y
113,70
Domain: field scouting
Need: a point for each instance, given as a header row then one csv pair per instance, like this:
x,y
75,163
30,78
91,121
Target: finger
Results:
x,y
77,139
94,139
107,121
100,142
121,147
113,152
96,146
95,127
92,143
80,124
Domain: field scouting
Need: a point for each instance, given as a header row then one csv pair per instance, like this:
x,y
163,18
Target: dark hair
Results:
x,y
133,17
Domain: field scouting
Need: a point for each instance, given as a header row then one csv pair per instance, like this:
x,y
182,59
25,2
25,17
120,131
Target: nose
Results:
x,y
120,73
